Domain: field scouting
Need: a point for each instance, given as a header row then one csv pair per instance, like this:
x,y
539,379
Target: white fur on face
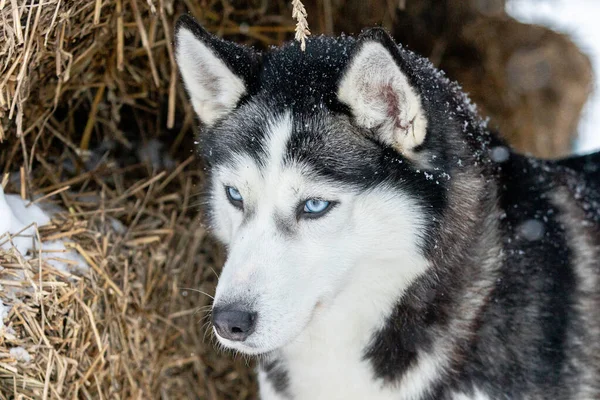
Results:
x,y
213,88
350,260
380,96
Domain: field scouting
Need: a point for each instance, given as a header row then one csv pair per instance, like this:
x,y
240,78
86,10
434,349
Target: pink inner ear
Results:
x,y
392,101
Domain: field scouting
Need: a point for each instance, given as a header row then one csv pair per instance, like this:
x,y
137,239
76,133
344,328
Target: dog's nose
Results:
x,y
233,324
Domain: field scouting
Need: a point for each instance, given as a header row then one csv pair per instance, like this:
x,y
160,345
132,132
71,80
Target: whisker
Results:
x,y
205,309
207,316
198,204
206,330
196,195
199,291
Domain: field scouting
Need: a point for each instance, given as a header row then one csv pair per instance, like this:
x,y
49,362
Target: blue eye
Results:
x,y
234,196
316,206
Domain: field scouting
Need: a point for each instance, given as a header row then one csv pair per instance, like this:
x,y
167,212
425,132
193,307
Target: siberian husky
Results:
x,y
382,242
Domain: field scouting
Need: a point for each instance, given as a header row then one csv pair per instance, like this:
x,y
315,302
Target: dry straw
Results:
x,y
302,32
83,86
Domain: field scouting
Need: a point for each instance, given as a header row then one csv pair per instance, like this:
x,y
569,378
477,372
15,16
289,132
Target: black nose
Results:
x,y
232,323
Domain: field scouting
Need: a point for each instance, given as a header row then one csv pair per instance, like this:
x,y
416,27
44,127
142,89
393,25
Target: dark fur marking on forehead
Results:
x,y
329,145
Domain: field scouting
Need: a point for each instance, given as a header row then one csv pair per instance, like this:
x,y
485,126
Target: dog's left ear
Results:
x,y
380,95
216,72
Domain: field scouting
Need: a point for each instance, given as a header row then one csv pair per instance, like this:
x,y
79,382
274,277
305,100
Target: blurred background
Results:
x,y
578,19
94,121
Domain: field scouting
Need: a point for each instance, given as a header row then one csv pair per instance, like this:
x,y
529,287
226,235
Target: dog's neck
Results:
x,y
436,313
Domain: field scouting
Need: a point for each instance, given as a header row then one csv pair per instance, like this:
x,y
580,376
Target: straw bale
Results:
x,y
84,85
134,327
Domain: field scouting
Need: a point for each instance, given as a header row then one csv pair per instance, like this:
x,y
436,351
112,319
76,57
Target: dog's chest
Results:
x,y
322,369
334,376
327,362
330,371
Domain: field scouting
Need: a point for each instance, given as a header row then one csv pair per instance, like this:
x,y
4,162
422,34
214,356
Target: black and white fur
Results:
x,y
449,266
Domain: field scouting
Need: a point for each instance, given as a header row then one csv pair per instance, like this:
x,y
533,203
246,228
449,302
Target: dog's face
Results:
x,y
314,175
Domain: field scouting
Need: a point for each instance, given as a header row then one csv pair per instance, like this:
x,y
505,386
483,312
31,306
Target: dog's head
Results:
x,y
323,165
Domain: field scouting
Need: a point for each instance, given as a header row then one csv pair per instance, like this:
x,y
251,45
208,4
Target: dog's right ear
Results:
x,y
216,73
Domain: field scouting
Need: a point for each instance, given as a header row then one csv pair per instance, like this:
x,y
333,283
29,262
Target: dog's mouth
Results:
x,y
252,348
245,347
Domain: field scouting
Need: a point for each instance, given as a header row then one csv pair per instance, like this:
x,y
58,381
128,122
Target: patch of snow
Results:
x,y
16,215
56,254
4,311
20,354
579,19
532,229
499,154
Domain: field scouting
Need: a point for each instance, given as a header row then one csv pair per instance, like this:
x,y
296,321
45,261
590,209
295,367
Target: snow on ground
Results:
x,y
579,19
20,354
19,219
14,216
17,216
4,310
